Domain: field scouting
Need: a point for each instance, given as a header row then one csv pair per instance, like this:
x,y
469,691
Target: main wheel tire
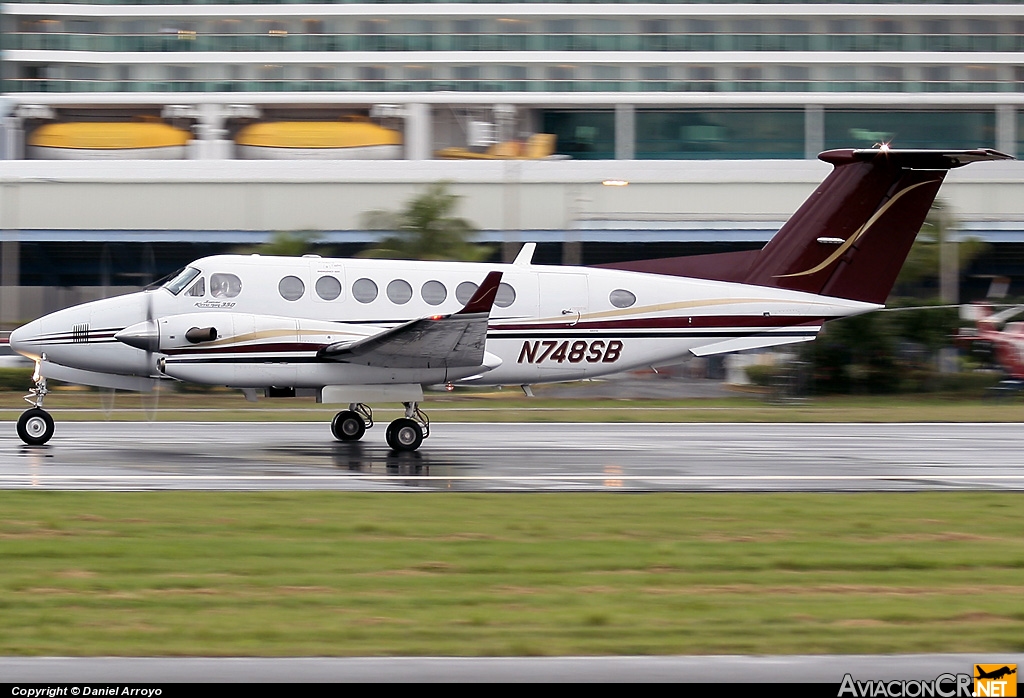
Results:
x,y
348,426
35,426
404,435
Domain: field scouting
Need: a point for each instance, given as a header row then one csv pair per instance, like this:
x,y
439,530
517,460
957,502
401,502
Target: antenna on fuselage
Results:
x,y
525,256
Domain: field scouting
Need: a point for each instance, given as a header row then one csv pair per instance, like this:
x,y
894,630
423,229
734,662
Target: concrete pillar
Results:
x,y
418,132
1006,129
510,220
11,131
211,143
575,204
625,132
814,130
12,136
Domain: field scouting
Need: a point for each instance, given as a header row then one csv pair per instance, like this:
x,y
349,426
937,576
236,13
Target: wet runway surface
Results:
x,y
520,457
824,669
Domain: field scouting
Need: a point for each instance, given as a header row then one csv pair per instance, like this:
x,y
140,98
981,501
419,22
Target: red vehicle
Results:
x,y
993,336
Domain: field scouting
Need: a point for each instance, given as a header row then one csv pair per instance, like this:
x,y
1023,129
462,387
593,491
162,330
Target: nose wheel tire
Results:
x,y
404,435
348,426
35,426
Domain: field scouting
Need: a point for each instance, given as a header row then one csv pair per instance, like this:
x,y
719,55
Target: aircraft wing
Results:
x,y
439,341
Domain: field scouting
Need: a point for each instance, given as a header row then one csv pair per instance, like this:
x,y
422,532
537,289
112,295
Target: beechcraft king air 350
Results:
x,y
357,331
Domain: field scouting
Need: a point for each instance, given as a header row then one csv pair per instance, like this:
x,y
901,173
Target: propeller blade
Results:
x,y
107,402
151,403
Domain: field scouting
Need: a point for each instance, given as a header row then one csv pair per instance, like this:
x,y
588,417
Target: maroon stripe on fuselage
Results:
x,y
695,322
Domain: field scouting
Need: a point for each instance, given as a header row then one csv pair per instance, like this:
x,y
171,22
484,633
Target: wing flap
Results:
x,y
440,341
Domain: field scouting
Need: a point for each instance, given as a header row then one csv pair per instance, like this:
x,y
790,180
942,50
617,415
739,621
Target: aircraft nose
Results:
x,y
25,340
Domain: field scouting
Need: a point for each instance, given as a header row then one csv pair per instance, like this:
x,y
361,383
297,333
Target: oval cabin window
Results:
x,y
399,292
291,288
364,290
434,292
621,298
465,291
328,288
506,296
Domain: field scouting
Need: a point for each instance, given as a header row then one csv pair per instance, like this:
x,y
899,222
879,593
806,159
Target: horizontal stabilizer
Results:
x,y
915,159
757,341
439,341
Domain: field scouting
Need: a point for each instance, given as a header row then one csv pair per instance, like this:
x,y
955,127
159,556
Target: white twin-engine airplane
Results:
x,y
358,331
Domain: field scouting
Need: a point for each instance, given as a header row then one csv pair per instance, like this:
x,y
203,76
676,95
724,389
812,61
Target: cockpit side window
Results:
x,y
223,285
181,280
198,288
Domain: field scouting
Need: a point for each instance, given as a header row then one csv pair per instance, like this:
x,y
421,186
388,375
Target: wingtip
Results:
x,y
483,300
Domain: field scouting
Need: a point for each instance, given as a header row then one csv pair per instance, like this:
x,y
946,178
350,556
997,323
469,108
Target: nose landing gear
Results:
x,y
35,426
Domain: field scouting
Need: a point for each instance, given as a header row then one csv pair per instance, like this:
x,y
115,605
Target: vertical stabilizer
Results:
x,y
851,237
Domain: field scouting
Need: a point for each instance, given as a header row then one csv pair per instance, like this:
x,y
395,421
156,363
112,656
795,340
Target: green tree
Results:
x,y
896,351
426,229
285,244
923,268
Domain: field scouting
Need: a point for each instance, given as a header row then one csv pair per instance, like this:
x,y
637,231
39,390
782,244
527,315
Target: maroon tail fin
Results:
x,y
850,238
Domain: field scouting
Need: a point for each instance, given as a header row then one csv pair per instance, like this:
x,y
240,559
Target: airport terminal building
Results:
x,y
139,133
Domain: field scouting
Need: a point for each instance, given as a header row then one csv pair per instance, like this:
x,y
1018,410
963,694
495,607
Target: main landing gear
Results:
x,y
351,424
403,434
35,426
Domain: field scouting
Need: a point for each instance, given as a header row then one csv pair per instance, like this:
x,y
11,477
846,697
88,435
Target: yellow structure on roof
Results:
x,y
353,138
141,139
537,147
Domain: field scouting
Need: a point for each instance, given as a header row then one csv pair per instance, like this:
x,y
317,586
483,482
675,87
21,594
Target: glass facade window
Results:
x,y
909,129
1020,130
585,135
692,134
763,33
581,132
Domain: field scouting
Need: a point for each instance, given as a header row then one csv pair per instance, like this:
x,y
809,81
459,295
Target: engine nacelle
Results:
x,y
225,332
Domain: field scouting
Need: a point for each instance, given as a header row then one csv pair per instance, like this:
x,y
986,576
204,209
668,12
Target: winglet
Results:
x,y
483,299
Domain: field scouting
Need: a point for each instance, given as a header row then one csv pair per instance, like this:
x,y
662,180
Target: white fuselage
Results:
x,y
548,323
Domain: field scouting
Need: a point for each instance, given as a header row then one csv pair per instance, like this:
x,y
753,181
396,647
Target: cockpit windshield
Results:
x,y
181,280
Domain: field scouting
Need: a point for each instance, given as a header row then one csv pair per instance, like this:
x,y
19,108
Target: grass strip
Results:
x,y
311,573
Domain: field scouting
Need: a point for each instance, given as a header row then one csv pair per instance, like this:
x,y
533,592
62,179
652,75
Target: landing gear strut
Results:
x,y
35,426
403,434
351,424
407,433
